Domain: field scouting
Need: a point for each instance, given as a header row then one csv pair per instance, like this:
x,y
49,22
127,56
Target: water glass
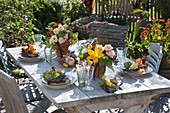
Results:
x,y
88,79
81,72
37,38
48,54
121,54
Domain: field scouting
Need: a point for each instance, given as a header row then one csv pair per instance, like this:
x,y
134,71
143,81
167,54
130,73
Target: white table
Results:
x,y
136,93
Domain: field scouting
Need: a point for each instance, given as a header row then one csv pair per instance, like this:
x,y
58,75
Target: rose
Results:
x,y
61,40
99,48
53,39
89,46
111,54
108,47
60,27
56,31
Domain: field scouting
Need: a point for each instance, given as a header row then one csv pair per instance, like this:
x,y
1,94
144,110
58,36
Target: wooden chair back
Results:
x,y
113,34
155,56
11,95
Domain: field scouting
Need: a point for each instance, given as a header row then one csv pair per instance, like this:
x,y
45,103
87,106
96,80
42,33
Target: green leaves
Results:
x,y
105,62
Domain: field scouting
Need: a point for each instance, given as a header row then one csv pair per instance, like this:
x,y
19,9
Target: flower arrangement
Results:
x,y
101,55
60,37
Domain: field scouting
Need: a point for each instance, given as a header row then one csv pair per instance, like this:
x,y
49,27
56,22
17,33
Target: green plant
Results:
x,y
74,10
46,12
157,31
145,15
16,24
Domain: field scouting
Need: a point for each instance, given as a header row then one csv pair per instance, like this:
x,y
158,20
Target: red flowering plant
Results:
x,y
158,31
59,37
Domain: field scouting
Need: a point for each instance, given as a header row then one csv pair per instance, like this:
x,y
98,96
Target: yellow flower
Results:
x,y
89,46
100,48
94,55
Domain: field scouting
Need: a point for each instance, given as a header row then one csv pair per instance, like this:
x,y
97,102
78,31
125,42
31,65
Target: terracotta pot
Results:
x,y
165,73
62,49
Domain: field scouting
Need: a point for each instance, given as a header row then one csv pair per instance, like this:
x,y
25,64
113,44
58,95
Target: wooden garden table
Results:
x,y
135,94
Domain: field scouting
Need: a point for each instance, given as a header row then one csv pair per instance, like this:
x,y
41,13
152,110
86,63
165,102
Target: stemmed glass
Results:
x,y
89,75
121,54
37,38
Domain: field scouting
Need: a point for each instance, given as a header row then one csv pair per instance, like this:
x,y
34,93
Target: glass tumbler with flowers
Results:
x,y
60,38
100,55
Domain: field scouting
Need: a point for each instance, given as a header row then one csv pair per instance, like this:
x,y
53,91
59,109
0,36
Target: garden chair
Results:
x,y
12,69
111,33
15,99
154,56
30,91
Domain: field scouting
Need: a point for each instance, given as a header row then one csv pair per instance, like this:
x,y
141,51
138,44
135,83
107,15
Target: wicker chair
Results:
x,y
80,25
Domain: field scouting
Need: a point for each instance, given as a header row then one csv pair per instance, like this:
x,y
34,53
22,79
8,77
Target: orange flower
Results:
x,y
161,20
56,24
157,31
154,20
142,71
168,20
139,61
31,48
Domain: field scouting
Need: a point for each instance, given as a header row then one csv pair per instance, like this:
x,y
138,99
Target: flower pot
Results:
x,y
62,49
165,73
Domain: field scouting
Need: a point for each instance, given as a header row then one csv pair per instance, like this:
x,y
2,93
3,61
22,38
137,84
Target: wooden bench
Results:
x,y
111,33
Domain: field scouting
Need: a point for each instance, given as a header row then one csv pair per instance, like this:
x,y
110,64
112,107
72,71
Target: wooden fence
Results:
x,y
106,7
103,7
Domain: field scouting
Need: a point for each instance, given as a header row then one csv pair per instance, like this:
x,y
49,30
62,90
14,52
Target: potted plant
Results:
x,y
60,37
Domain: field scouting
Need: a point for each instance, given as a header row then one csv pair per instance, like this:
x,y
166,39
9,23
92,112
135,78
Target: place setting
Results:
x,y
36,53
133,68
30,54
56,78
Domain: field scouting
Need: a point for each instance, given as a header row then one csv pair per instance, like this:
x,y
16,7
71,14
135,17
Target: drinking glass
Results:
x,y
121,54
48,54
89,76
37,38
81,72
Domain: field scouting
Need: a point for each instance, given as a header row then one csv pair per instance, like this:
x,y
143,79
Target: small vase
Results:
x,y
99,69
62,49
